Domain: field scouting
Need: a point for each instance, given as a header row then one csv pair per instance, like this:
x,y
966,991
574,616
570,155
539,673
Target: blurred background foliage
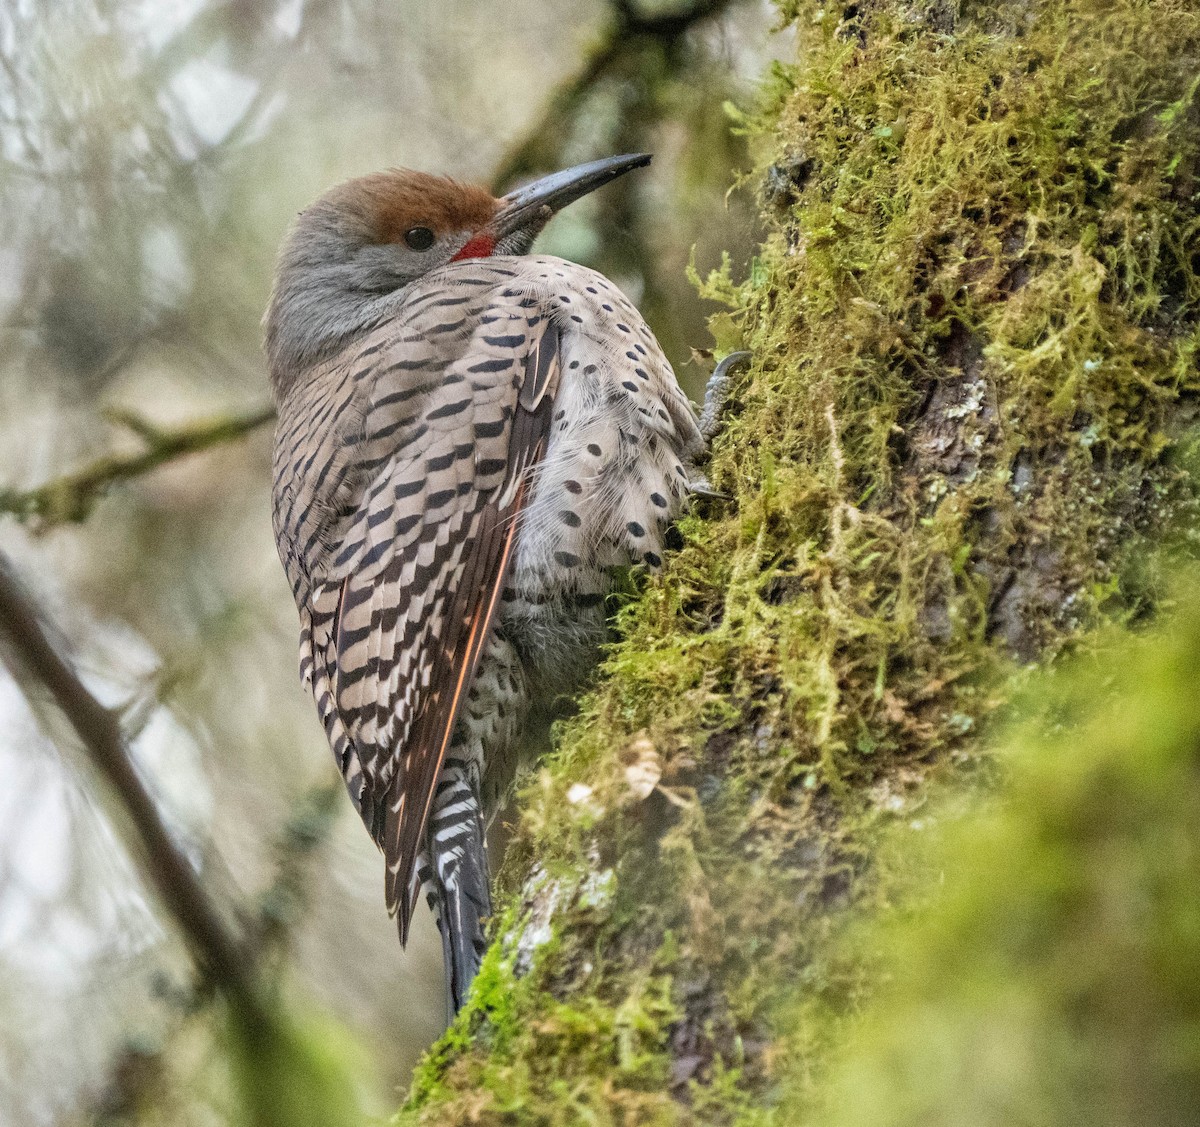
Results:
x,y
152,153
1037,960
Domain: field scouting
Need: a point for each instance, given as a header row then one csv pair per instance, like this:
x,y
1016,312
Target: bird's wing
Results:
x,y
458,396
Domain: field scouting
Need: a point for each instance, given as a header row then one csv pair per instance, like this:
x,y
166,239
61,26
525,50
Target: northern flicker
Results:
x,y
470,438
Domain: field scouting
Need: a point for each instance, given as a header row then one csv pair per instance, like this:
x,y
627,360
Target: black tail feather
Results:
x,y
461,889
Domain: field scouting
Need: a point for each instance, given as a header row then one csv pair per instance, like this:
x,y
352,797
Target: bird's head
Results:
x,y
369,237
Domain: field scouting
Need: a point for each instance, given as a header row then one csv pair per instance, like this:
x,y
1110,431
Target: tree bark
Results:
x,y
975,337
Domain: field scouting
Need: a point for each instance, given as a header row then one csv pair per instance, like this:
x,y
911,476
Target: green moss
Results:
x,y
974,330
501,1060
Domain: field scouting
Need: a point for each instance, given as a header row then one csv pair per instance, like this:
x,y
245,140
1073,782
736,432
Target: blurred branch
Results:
x,y
137,1071
70,498
32,647
627,33
228,964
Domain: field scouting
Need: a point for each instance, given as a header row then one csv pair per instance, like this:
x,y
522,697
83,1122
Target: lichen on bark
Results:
x,y
974,332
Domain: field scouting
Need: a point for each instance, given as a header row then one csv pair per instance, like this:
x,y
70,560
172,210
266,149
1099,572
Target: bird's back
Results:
x,y
507,423
442,364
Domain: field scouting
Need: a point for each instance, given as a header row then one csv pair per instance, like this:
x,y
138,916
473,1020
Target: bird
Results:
x,y
470,439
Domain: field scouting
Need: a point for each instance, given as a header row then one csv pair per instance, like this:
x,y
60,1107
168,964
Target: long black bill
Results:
x,y
528,209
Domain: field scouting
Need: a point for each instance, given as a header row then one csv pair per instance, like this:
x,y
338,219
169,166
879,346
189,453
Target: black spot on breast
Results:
x,y
570,519
629,385
653,559
659,500
635,529
566,559
572,486
594,450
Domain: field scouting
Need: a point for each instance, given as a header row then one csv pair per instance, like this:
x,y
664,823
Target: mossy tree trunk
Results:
x,y
974,331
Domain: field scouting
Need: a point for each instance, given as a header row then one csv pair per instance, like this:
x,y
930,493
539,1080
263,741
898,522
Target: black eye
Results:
x,y
419,238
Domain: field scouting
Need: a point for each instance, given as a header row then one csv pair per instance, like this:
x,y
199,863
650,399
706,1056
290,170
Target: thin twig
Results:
x,y
70,498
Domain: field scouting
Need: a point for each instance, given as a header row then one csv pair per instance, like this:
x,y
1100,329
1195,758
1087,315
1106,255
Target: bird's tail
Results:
x,y
454,874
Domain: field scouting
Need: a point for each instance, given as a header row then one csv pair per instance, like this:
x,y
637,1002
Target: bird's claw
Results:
x,y
701,488
716,392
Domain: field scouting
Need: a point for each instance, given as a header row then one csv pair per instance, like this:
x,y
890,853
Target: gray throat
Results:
x,y
313,314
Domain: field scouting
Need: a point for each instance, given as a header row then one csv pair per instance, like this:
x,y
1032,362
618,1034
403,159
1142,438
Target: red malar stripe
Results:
x,y
478,246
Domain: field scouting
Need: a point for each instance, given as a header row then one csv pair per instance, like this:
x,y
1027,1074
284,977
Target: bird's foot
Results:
x,y
716,393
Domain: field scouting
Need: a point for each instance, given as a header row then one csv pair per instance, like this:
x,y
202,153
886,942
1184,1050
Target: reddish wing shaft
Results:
x,y
466,628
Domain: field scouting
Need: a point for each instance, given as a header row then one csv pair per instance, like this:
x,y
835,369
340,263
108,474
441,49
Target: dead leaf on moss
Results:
x,y
644,768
